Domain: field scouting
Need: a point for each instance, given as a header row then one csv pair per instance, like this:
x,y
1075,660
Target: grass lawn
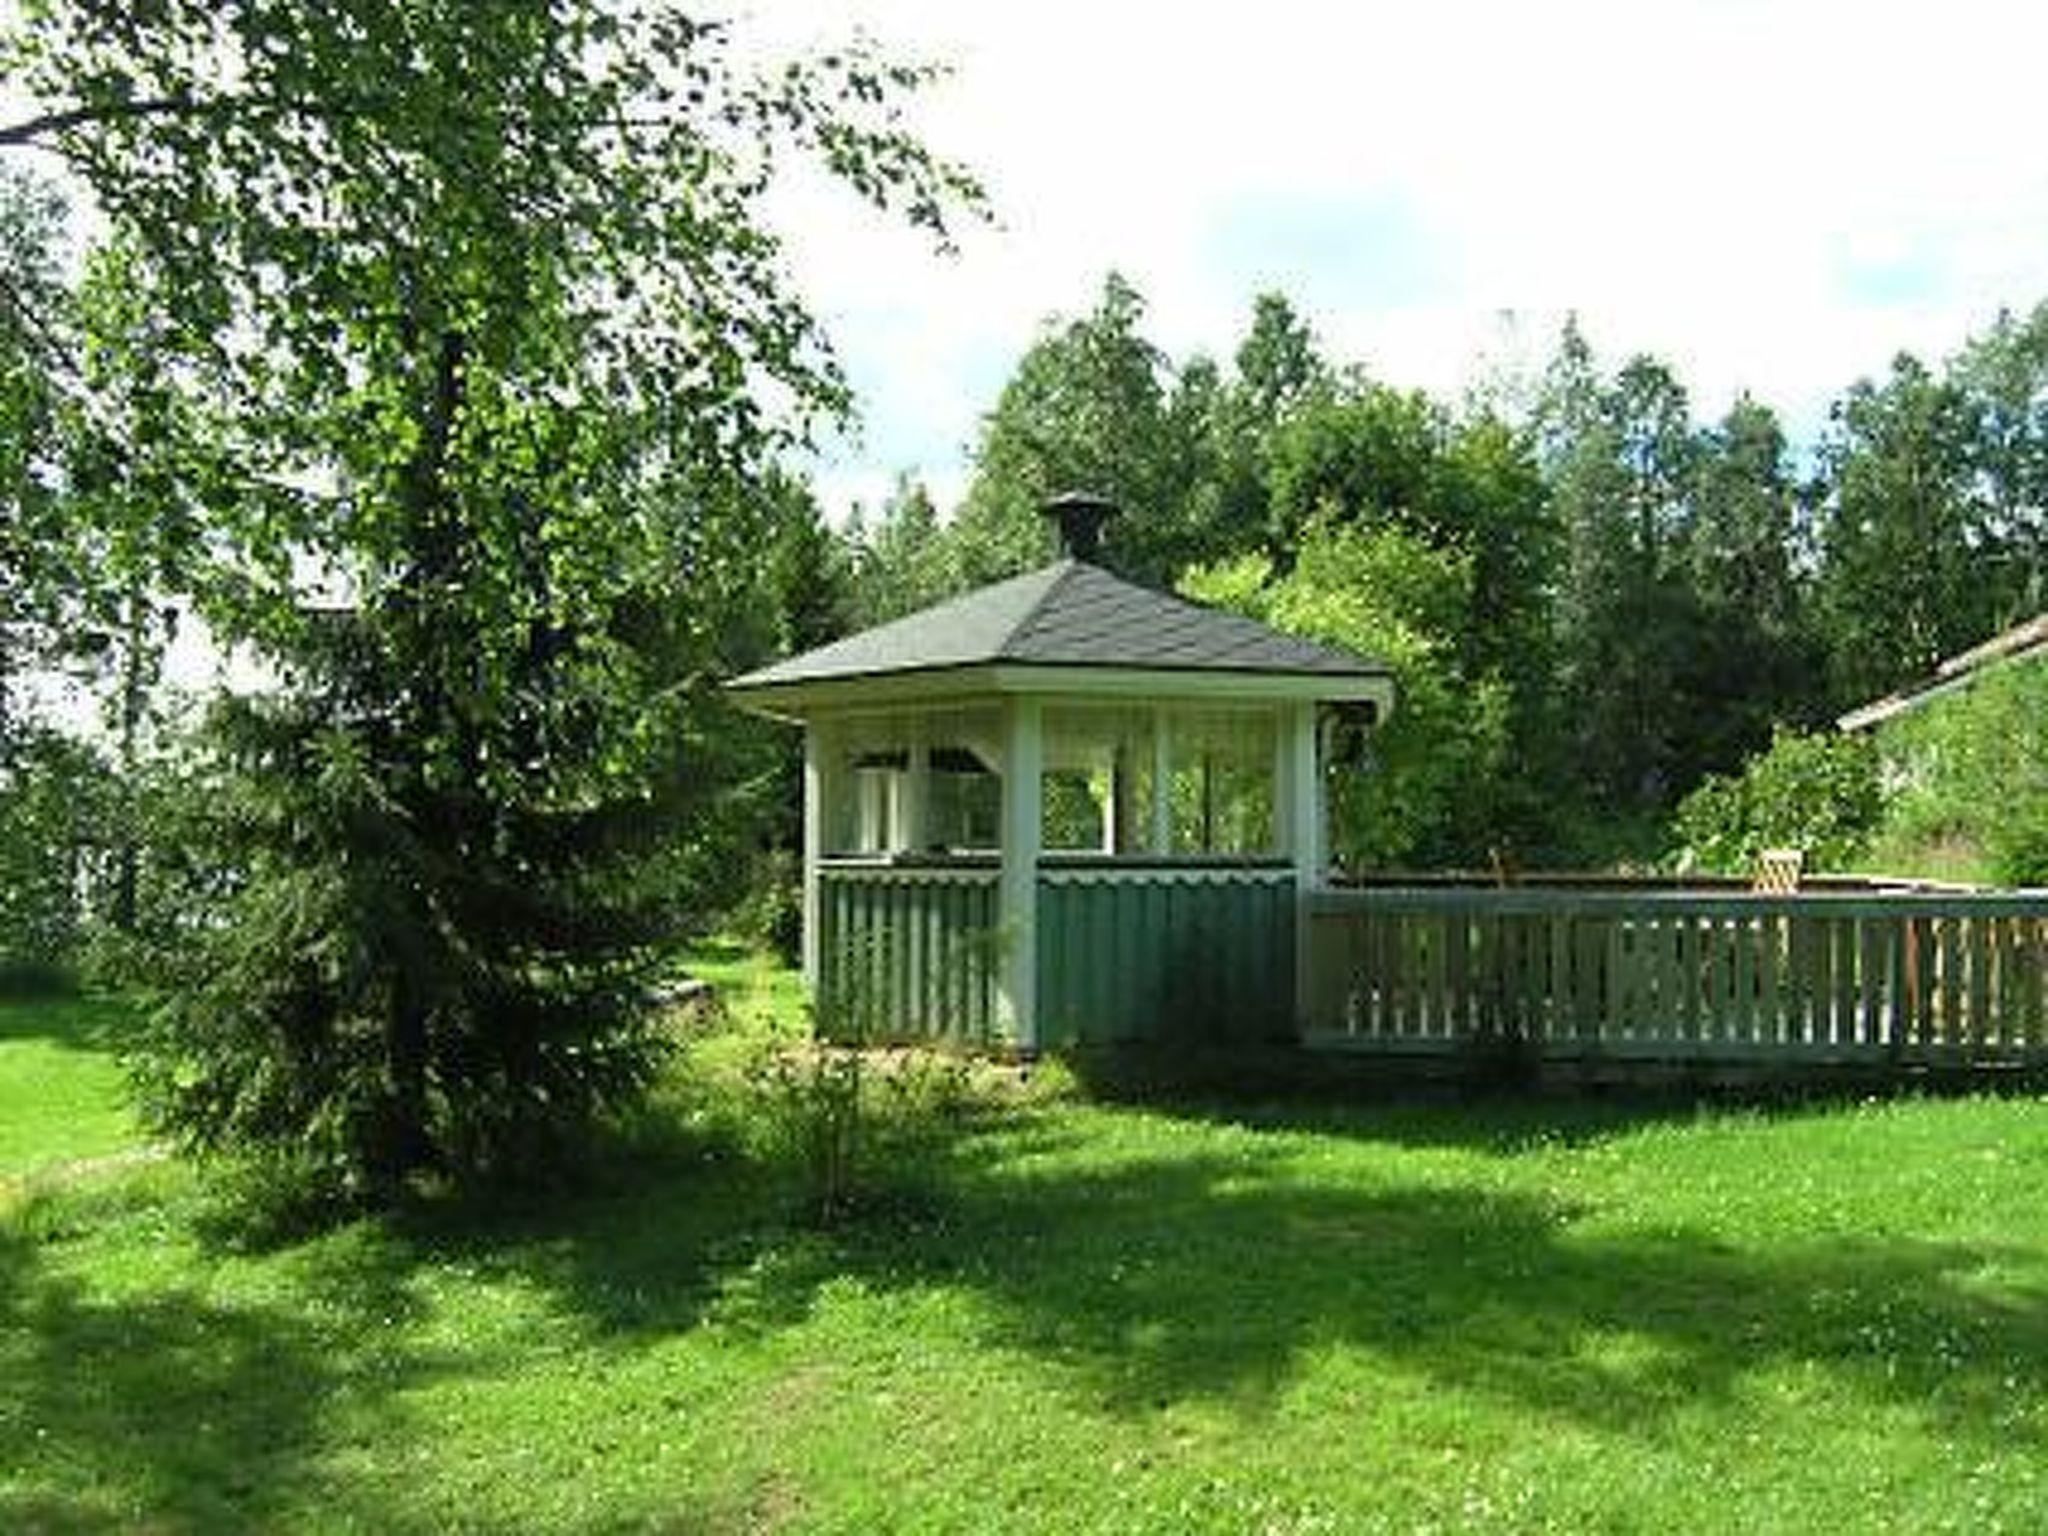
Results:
x,y
60,1088
1084,1317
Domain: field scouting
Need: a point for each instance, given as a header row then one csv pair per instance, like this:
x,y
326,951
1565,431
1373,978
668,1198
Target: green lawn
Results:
x,y
60,1088
1085,1318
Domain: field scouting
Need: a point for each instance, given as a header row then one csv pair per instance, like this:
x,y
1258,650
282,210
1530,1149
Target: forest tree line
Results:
x,y
1593,599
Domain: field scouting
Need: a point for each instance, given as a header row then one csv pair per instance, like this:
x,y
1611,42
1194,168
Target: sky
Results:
x,y
1773,197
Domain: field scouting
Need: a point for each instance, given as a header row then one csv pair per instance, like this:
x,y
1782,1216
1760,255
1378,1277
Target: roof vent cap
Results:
x,y
1080,517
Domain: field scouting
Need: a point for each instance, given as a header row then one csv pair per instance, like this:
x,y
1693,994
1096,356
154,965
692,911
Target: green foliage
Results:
x,y
1437,790
1355,451
1971,769
2004,372
1817,793
1358,453
1755,662
811,1102
859,1127
1904,533
1095,406
36,578
1087,410
55,794
803,593
1621,456
476,349
391,982
771,913
902,561
1648,597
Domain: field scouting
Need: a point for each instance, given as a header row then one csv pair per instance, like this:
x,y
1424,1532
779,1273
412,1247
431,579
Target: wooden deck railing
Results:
x,y
1920,980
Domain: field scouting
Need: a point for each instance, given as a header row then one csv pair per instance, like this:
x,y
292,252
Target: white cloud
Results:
x,y
1773,196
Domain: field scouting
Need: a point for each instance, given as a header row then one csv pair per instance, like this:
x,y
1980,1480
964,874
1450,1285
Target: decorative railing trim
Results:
x,y
1665,904
1166,874
885,874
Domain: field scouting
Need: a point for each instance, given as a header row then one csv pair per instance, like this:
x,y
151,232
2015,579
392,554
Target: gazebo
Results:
x,y
1063,809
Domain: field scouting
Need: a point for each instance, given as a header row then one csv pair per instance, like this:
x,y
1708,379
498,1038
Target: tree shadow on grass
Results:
x,y
1500,1124
1366,1098
1132,1280
1420,1104
1143,1283
75,1023
1210,1278
169,1411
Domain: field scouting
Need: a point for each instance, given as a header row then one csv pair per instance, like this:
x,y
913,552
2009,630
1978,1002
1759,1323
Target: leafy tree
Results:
x,y
2004,374
1222,511
93,524
1087,409
1235,423
1438,789
904,561
1355,453
54,799
1969,772
1359,452
805,598
1905,579
35,345
1620,460
1817,793
1278,362
1754,665
133,445
484,316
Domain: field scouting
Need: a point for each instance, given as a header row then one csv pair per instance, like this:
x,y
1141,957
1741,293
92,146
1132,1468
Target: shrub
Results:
x,y
772,912
1816,793
856,1123
1972,768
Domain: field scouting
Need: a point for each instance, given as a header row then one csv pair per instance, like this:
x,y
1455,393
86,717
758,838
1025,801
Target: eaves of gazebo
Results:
x,y
1062,807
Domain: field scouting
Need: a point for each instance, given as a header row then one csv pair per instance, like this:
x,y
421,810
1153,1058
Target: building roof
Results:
x,y
1959,671
1067,614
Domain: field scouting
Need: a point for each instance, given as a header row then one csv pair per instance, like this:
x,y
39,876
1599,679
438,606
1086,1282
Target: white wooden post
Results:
x,y
1284,787
1303,836
820,788
871,804
912,834
1017,896
1119,830
1112,823
1162,782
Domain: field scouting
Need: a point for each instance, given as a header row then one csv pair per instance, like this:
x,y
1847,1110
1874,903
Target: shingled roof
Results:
x,y
1071,613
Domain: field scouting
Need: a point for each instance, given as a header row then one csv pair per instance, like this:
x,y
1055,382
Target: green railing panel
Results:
x,y
908,954
1162,954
